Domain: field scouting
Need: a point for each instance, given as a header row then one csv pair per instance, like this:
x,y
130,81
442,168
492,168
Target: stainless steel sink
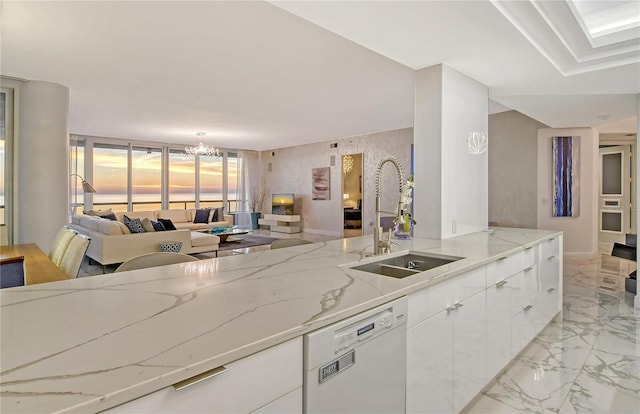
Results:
x,y
406,265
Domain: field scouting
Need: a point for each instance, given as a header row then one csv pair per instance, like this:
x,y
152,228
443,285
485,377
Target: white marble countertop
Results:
x,y
88,344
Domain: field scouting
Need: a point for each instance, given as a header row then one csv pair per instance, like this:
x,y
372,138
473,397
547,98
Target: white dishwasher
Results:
x,y
358,365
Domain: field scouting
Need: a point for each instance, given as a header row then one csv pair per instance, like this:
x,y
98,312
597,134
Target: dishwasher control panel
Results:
x,y
364,329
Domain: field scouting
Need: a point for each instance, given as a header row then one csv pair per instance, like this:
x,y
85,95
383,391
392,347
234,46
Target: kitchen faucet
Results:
x,y
381,246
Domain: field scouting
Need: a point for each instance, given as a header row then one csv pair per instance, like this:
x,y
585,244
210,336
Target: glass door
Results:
x,y
614,204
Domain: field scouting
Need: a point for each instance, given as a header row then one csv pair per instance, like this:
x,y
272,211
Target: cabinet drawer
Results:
x,y
550,247
530,256
246,385
429,301
504,267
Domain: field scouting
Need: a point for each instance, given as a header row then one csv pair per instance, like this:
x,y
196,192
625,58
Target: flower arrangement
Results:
x,y
405,201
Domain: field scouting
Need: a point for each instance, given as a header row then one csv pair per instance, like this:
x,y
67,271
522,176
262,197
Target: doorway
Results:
x,y
616,196
352,192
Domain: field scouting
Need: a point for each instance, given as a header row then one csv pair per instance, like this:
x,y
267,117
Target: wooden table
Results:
x,y
37,265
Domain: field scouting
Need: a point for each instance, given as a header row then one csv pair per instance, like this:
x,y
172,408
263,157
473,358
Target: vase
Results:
x,y
403,231
254,220
406,226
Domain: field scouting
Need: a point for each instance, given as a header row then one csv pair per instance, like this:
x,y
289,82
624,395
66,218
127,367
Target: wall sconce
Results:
x,y
477,143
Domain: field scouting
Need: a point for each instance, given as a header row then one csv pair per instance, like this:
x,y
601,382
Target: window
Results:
x,y
146,186
210,181
110,176
234,165
182,180
76,166
4,162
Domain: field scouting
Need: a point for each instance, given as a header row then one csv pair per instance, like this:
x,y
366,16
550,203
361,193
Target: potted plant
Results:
x,y
256,201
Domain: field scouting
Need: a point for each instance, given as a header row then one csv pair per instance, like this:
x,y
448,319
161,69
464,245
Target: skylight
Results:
x,y
601,18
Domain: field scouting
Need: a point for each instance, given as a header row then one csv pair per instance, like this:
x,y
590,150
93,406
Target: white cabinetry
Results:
x,y
281,223
445,344
247,386
463,331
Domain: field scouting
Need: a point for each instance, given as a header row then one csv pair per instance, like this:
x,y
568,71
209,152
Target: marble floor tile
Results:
x,y
590,397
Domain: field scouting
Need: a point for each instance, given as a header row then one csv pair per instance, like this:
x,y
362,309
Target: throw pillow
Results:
x,y
110,216
220,211
202,215
157,226
134,225
168,224
97,212
146,223
218,214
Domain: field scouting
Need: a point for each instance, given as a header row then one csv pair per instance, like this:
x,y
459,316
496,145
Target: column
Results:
x,y
451,185
42,167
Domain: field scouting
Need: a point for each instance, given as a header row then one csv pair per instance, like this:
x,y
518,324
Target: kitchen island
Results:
x,y
89,344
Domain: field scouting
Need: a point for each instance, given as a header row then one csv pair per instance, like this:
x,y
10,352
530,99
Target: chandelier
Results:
x,y
202,149
347,164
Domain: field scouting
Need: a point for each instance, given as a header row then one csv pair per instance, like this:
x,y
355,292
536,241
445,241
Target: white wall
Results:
x,y
513,162
451,184
42,163
580,233
291,173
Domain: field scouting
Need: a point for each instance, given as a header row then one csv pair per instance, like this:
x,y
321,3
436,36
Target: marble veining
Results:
x,y
87,344
588,362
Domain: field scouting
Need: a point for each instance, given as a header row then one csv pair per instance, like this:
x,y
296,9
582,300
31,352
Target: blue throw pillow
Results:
x,y
168,224
202,215
134,225
157,226
110,216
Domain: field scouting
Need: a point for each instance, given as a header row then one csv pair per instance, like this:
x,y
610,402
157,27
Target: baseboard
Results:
x,y
580,255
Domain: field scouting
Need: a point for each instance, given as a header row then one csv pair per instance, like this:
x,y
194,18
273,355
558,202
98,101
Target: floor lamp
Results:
x,y
86,187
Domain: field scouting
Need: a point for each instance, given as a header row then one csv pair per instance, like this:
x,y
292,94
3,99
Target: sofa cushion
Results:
x,y
109,227
203,239
90,222
168,224
147,225
124,229
176,216
134,224
202,215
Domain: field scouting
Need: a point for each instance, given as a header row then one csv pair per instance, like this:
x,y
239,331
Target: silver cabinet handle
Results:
x,y
501,283
528,307
501,259
550,290
528,269
551,257
455,306
200,377
526,249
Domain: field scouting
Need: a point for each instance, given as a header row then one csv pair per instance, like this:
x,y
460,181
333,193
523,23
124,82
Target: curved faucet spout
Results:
x,y
380,245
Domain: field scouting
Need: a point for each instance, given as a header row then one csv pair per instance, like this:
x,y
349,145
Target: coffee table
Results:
x,y
224,234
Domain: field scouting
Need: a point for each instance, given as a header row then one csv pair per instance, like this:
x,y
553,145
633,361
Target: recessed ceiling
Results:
x,y
256,75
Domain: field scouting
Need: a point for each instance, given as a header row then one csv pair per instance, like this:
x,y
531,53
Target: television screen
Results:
x,y
282,204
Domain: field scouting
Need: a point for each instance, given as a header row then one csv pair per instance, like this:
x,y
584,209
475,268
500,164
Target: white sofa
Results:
x,y
112,242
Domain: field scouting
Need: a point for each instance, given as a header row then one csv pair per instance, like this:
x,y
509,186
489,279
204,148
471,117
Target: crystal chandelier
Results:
x,y
347,164
202,149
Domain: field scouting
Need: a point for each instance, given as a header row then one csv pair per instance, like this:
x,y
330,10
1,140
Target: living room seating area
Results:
x,y
113,241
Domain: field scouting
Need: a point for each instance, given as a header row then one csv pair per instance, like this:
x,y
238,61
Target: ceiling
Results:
x,y
265,75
